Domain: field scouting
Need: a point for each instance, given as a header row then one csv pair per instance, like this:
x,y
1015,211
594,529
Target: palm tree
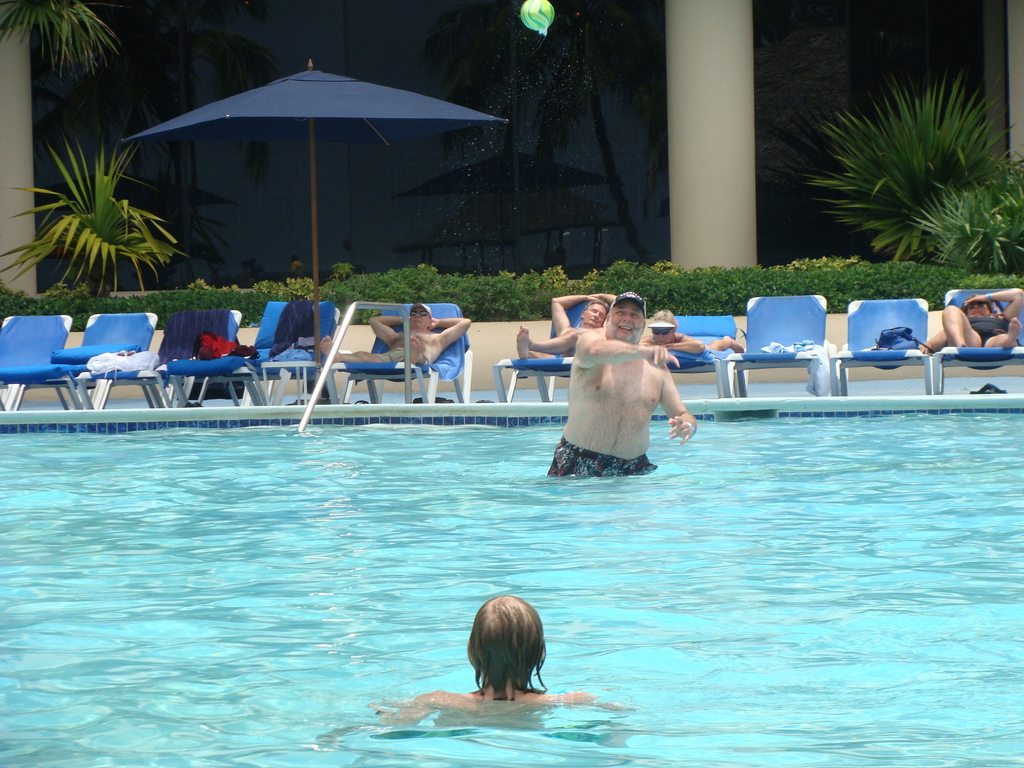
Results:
x,y
90,229
153,80
71,35
592,48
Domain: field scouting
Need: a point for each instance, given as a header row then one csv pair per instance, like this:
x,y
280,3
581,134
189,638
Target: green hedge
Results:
x,y
508,297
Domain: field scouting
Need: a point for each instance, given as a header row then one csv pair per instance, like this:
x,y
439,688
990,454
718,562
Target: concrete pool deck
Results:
x,y
883,398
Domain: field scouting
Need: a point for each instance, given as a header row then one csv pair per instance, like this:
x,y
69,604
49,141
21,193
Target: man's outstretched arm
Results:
x,y
594,348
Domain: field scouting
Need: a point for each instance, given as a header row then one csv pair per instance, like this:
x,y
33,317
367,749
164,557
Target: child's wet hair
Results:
x,y
506,647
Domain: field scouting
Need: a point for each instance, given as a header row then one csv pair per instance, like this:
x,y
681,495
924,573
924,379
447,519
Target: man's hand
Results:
x,y
679,427
655,355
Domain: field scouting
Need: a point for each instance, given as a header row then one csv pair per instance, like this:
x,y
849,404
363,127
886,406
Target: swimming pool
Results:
x,y
781,592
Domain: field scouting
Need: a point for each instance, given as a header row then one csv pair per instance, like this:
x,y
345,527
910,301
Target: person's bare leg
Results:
x,y
325,345
724,343
358,357
1006,340
349,357
958,329
523,345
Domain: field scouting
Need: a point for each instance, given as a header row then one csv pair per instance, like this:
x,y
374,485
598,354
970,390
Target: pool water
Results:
x,y
782,592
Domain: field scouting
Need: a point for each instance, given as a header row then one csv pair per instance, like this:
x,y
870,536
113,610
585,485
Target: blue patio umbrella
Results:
x,y
316,105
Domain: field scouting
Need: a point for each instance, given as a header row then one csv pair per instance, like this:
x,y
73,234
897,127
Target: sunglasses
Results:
x,y
975,304
419,313
661,331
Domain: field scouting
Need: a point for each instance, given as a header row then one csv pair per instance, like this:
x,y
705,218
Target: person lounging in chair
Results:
x,y
563,343
424,345
978,323
665,333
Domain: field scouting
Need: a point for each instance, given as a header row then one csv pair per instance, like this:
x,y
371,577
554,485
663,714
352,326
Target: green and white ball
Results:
x,y
537,15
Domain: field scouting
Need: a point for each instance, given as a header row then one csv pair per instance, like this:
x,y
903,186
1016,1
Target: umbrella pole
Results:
x,y
316,243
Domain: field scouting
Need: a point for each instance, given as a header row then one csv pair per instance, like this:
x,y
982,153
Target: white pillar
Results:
x,y
1015,72
994,41
710,50
15,156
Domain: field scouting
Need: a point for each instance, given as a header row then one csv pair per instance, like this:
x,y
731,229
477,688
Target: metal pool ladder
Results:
x,y
325,369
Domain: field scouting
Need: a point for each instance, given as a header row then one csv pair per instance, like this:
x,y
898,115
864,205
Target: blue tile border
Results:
x,y
504,422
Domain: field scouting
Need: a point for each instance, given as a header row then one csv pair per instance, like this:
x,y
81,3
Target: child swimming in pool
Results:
x,y
506,649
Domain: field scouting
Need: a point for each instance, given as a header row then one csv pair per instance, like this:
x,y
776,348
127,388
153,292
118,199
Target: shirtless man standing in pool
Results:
x,y
614,388
424,345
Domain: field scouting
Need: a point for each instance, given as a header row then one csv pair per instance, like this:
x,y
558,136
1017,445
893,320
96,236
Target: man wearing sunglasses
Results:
x,y
665,333
425,343
978,322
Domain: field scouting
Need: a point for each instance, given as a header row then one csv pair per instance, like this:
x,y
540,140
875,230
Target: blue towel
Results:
x,y
296,322
184,327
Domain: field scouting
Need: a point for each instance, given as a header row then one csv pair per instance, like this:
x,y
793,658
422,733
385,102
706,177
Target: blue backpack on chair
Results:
x,y
897,338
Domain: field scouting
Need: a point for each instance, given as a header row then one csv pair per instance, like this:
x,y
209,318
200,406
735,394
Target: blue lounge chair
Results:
x,y
127,332
544,369
865,322
454,363
978,358
276,374
171,386
182,371
785,320
26,346
706,328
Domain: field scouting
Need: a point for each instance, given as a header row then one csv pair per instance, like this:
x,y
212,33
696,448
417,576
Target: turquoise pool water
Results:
x,y
788,592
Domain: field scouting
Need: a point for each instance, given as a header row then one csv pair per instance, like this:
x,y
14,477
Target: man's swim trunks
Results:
x,y
396,355
572,460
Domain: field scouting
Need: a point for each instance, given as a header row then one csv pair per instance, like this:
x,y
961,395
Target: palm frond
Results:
x,y
101,231
70,33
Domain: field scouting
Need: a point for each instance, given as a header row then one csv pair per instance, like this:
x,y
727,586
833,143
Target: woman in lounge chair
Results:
x,y
978,323
563,342
665,333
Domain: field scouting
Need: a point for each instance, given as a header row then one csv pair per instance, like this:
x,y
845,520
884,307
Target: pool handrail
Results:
x,y
325,369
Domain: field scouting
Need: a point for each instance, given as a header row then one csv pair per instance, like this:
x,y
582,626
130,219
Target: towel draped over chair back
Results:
x,y
183,327
296,322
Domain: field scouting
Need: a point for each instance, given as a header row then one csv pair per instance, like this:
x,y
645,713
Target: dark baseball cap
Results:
x,y
630,296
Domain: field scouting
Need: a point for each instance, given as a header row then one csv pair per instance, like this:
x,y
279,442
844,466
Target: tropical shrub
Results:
x,y
899,160
981,228
92,230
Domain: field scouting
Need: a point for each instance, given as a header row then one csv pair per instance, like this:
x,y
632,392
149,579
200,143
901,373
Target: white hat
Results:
x,y
661,324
